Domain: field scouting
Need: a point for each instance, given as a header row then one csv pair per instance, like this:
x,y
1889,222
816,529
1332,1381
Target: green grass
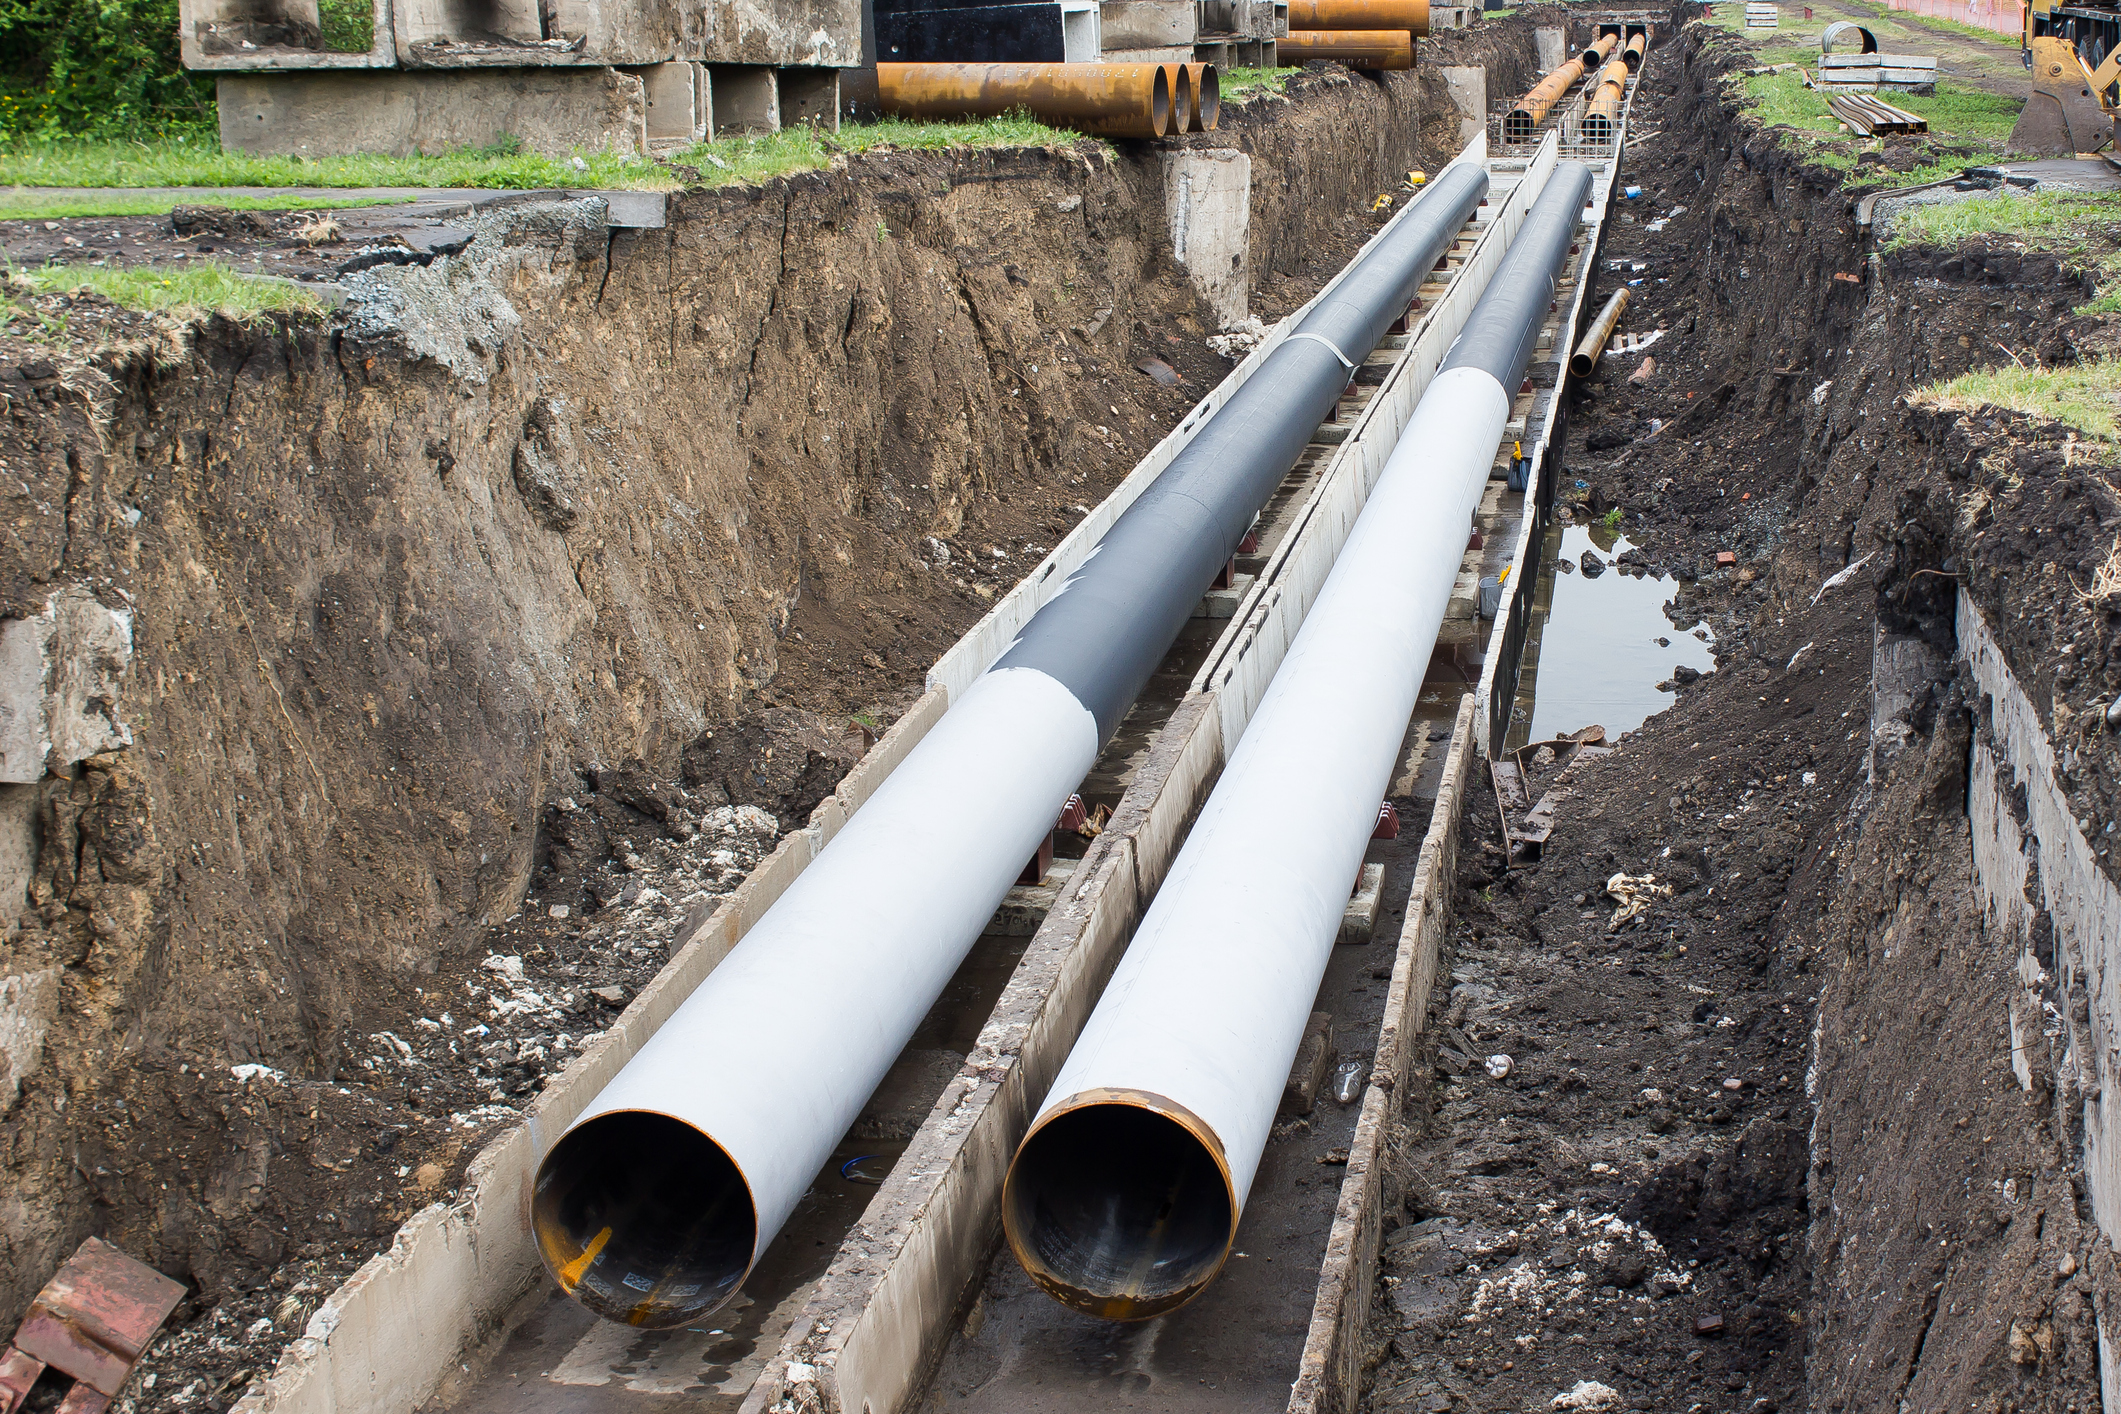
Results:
x,y
2085,396
764,156
1957,111
196,288
1942,26
86,162
1244,83
34,206
2062,222
347,26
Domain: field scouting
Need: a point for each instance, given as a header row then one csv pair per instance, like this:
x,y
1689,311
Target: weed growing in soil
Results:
x,y
2085,396
196,288
89,162
763,156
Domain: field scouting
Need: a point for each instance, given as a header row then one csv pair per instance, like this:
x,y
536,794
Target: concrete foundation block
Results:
x,y
1313,1057
278,34
1208,198
1358,922
402,114
1467,86
1149,24
1222,603
746,97
810,96
678,106
61,681
1552,47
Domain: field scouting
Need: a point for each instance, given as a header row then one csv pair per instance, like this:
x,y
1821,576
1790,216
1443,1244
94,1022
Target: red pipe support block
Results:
x,y
1387,822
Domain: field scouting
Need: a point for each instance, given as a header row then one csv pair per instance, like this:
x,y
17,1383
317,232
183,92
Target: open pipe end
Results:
x,y
1207,99
1581,364
1519,125
1120,1205
644,1219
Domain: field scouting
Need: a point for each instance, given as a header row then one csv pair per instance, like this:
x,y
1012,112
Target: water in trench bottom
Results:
x,y
1597,649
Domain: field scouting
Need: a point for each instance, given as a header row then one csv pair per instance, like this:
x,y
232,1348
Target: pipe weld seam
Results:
x,y
1345,361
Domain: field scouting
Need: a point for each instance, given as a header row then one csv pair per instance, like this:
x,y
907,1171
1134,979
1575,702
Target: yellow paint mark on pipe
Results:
x,y
572,1272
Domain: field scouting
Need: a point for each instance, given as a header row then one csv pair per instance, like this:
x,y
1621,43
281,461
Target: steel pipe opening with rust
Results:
x,y
1521,123
1207,90
1357,48
1124,1199
1409,15
667,1188
1592,347
1181,97
1103,100
1601,114
1637,46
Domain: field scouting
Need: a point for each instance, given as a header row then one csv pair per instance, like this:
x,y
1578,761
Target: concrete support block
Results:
x,y
419,24
277,34
1313,1056
401,114
1208,198
676,94
1551,45
810,96
1151,24
61,680
746,97
1467,86
1358,921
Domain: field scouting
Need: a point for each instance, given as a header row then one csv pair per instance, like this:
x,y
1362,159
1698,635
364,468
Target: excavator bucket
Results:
x,y
2064,115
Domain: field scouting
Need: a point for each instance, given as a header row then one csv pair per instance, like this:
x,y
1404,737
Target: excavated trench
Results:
x,y
425,673
1811,1133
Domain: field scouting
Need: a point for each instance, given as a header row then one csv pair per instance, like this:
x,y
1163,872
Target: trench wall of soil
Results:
x,y
1955,1259
342,607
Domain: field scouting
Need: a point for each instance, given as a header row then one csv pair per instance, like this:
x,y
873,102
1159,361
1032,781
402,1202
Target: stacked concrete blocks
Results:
x,y
555,76
1226,33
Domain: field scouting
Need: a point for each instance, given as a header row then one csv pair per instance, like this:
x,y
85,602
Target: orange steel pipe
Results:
x,y
1104,100
1409,15
1522,121
1357,48
1635,49
1181,97
1603,110
1207,98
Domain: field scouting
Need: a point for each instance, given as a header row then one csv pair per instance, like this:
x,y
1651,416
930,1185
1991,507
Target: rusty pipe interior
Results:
x,y
1357,48
1637,45
1181,97
1409,15
1121,1207
1521,123
1207,92
1602,112
1103,100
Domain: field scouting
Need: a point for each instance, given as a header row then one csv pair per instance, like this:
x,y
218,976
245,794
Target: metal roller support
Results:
x,y
1602,113
1124,1199
656,1203
1592,346
1409,15
1103,100
1357,48
1521,123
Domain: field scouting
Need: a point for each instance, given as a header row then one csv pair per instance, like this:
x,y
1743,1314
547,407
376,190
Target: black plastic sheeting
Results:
x,y
1503,328
1102,636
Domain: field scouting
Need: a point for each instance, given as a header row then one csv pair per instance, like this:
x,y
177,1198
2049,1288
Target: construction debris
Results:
x,y
1634,893
1868,117
92,1321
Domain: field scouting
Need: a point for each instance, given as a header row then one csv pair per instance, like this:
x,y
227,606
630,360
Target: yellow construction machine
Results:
x,y
2074,53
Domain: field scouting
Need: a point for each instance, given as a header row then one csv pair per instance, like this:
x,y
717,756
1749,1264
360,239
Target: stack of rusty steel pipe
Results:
x,y
1103,100
1363,34
1521,123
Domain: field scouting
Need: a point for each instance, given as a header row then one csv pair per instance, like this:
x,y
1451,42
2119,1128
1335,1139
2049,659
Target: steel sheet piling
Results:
x,y
1124,1199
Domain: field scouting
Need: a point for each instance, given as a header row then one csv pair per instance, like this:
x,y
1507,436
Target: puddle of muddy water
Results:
x,y
1597,648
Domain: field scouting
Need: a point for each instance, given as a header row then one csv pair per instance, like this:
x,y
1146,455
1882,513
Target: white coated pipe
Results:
x,y
1124,1198
639,1214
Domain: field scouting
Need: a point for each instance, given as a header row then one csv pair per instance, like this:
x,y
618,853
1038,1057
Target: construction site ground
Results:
x,y
1759,1148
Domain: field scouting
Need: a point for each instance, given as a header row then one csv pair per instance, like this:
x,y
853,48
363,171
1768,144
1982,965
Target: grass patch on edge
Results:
x,y
1244,83
2086,396
18,205
91,162
2066,223
200,287
761,157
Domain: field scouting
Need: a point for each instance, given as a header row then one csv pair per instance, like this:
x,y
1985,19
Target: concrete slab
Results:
x,y
399,113
1359,920
1208,201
